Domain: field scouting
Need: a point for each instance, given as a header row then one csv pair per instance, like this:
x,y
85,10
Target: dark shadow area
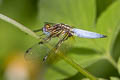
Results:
x,y
116,48
81,51
102,5
55,68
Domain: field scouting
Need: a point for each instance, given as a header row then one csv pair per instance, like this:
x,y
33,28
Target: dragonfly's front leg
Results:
x,y
46,39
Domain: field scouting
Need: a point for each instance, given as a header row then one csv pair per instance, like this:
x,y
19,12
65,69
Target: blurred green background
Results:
x,y
99,56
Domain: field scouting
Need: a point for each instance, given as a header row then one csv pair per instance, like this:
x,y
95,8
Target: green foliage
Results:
x,y
99,56
118,65
114,78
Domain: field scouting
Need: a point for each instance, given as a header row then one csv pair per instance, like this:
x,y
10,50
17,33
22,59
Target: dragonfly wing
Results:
x,y
86,34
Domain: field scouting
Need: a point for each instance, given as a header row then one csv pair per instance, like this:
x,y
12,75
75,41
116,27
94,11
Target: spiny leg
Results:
x,y
58,45
60,42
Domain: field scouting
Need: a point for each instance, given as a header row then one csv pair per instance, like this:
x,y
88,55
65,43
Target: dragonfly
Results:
x,y
63,32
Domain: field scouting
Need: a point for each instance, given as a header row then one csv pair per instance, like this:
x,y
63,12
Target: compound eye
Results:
x,y
47,26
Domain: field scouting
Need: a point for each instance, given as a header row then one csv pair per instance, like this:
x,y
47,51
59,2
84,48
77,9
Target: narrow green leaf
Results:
x,y
114,78
118,65
18,25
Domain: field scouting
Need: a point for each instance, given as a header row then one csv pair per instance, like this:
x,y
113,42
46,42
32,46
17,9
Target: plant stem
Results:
x,y
77,67
18,25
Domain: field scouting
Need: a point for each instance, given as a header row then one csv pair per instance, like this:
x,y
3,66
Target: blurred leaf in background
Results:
x,y
12,39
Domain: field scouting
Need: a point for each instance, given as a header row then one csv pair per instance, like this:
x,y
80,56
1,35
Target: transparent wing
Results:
x,y
37,52
86,34
41,52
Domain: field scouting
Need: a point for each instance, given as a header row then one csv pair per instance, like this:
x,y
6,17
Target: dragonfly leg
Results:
x,y
58,45
46,39
61,41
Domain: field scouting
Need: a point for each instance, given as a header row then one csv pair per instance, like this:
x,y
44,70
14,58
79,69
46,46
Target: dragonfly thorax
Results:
x,y
57,29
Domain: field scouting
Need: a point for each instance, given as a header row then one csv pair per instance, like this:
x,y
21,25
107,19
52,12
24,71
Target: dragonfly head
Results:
x,y
45,29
